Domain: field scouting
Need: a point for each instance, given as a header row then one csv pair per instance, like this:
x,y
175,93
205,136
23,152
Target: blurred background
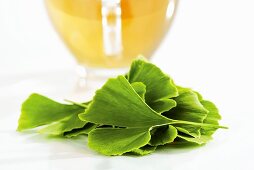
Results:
x,y
209,48
211,44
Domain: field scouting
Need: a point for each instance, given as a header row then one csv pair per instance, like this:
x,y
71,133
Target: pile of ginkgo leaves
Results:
x,y
133,113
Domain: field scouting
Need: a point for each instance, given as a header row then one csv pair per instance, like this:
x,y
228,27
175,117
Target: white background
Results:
x,y
209,48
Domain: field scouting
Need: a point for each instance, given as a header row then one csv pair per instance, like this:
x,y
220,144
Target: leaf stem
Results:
x,y
75,103
197,124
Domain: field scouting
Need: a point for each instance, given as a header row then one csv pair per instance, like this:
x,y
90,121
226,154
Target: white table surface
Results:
x,y
209,48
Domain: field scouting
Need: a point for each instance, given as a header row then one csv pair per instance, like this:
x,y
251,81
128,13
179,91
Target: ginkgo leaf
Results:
x,y
140,89
200,135
116,141
117,104
38,110
198,140
163,135
147,149
80,131
65,125
212,117
164,105
158,85
189,109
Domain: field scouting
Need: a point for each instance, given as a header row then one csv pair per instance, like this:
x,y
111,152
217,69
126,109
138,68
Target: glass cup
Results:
x,y
109,34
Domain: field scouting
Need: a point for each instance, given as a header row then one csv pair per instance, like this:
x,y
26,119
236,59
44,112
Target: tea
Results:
x,y
79,22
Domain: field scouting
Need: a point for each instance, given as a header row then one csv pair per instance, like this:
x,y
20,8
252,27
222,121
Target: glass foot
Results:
x,y
91,79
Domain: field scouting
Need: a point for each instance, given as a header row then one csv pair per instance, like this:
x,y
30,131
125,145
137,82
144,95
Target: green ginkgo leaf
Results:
x,y
212,117
116,141
117,104
80,131
65,125
162,135
147,149
159,86
190,109
163,105
198,140
139,88
38,110
198,110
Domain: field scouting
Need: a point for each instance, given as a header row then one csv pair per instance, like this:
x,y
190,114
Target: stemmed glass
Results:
x,y
106,35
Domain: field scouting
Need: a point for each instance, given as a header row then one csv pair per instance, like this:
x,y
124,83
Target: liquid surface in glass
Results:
x,y
79,23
